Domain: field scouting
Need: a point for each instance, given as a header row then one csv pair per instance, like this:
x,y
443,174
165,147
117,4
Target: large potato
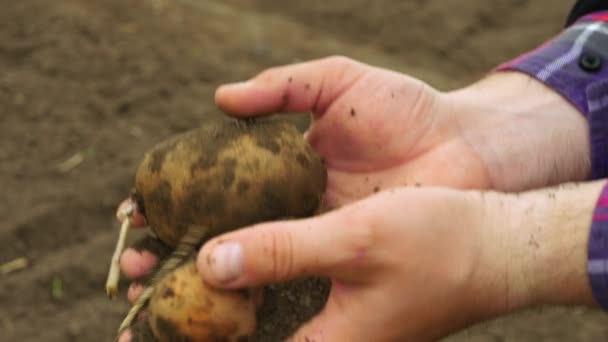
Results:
x,y
228,174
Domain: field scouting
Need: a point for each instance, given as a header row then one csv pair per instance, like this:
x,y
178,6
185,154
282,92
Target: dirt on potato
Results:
x,y
86,87
227,174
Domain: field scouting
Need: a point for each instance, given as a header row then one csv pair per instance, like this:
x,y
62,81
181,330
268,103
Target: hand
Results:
x,y
419,264
375,128
379,129
403,264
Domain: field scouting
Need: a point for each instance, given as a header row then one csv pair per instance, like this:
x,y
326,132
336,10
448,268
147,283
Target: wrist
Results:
x,y
535,252
526,134
555,266
561,274
495,287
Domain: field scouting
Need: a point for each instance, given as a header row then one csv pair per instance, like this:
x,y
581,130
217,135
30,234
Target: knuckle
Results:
x,y
365,238
338,61
365,234
267,75
279,249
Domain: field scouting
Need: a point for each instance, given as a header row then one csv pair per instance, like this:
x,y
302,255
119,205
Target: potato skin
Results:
x,y
228,174
184,308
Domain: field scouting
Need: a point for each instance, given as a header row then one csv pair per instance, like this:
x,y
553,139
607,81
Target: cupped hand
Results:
x,y
417,264
375,128
403,264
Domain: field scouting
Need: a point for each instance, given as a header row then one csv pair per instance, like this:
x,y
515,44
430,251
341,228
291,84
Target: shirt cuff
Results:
x,y
575,64
597,265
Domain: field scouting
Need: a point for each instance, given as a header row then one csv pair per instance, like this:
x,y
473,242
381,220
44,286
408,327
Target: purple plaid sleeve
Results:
x,y
575,64
597,265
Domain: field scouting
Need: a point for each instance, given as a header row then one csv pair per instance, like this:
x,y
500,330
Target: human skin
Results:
x,y
379,130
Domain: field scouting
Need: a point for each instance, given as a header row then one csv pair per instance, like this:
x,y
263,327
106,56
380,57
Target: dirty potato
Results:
x,y
227,174
184,308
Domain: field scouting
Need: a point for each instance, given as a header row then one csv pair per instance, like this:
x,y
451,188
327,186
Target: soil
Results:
x,y
86,87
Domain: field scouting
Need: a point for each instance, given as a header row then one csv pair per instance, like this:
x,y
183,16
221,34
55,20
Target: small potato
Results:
x,y
184,308
228,174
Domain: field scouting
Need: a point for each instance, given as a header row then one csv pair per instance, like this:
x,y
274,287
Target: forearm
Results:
x,y
527,135
539,251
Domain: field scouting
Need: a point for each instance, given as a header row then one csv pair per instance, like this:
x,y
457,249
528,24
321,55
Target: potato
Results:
x,y
228,174
184,308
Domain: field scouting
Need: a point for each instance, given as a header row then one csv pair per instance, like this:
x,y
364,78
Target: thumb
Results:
x,y
278,251
310,86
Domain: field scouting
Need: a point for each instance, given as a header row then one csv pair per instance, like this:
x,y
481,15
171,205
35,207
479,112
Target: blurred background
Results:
x,y
86,87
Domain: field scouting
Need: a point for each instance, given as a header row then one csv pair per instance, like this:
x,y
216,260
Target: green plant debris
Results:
x,y
57,288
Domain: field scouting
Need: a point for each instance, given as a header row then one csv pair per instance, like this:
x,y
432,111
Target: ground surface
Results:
x,y
103,80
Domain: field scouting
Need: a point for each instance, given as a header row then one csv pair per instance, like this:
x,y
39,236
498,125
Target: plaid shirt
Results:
x,y
575,64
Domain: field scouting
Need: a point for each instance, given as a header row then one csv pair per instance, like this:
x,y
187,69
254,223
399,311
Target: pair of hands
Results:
x,y
425,261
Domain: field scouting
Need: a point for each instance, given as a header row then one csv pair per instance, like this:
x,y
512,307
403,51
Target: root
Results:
x,y
114,272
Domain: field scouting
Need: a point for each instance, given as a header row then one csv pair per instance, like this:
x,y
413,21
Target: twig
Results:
x,y
71,163
114,272
14,266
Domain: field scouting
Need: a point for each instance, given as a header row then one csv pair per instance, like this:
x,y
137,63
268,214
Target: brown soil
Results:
x,y
104,80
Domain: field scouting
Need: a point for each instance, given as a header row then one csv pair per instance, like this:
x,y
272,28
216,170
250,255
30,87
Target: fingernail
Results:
x,y
135,290
226,261
124,209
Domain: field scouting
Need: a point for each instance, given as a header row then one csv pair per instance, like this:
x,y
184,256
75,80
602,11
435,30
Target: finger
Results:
x,y
326,245
310,86
126,336
135,290
152,244
136,264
